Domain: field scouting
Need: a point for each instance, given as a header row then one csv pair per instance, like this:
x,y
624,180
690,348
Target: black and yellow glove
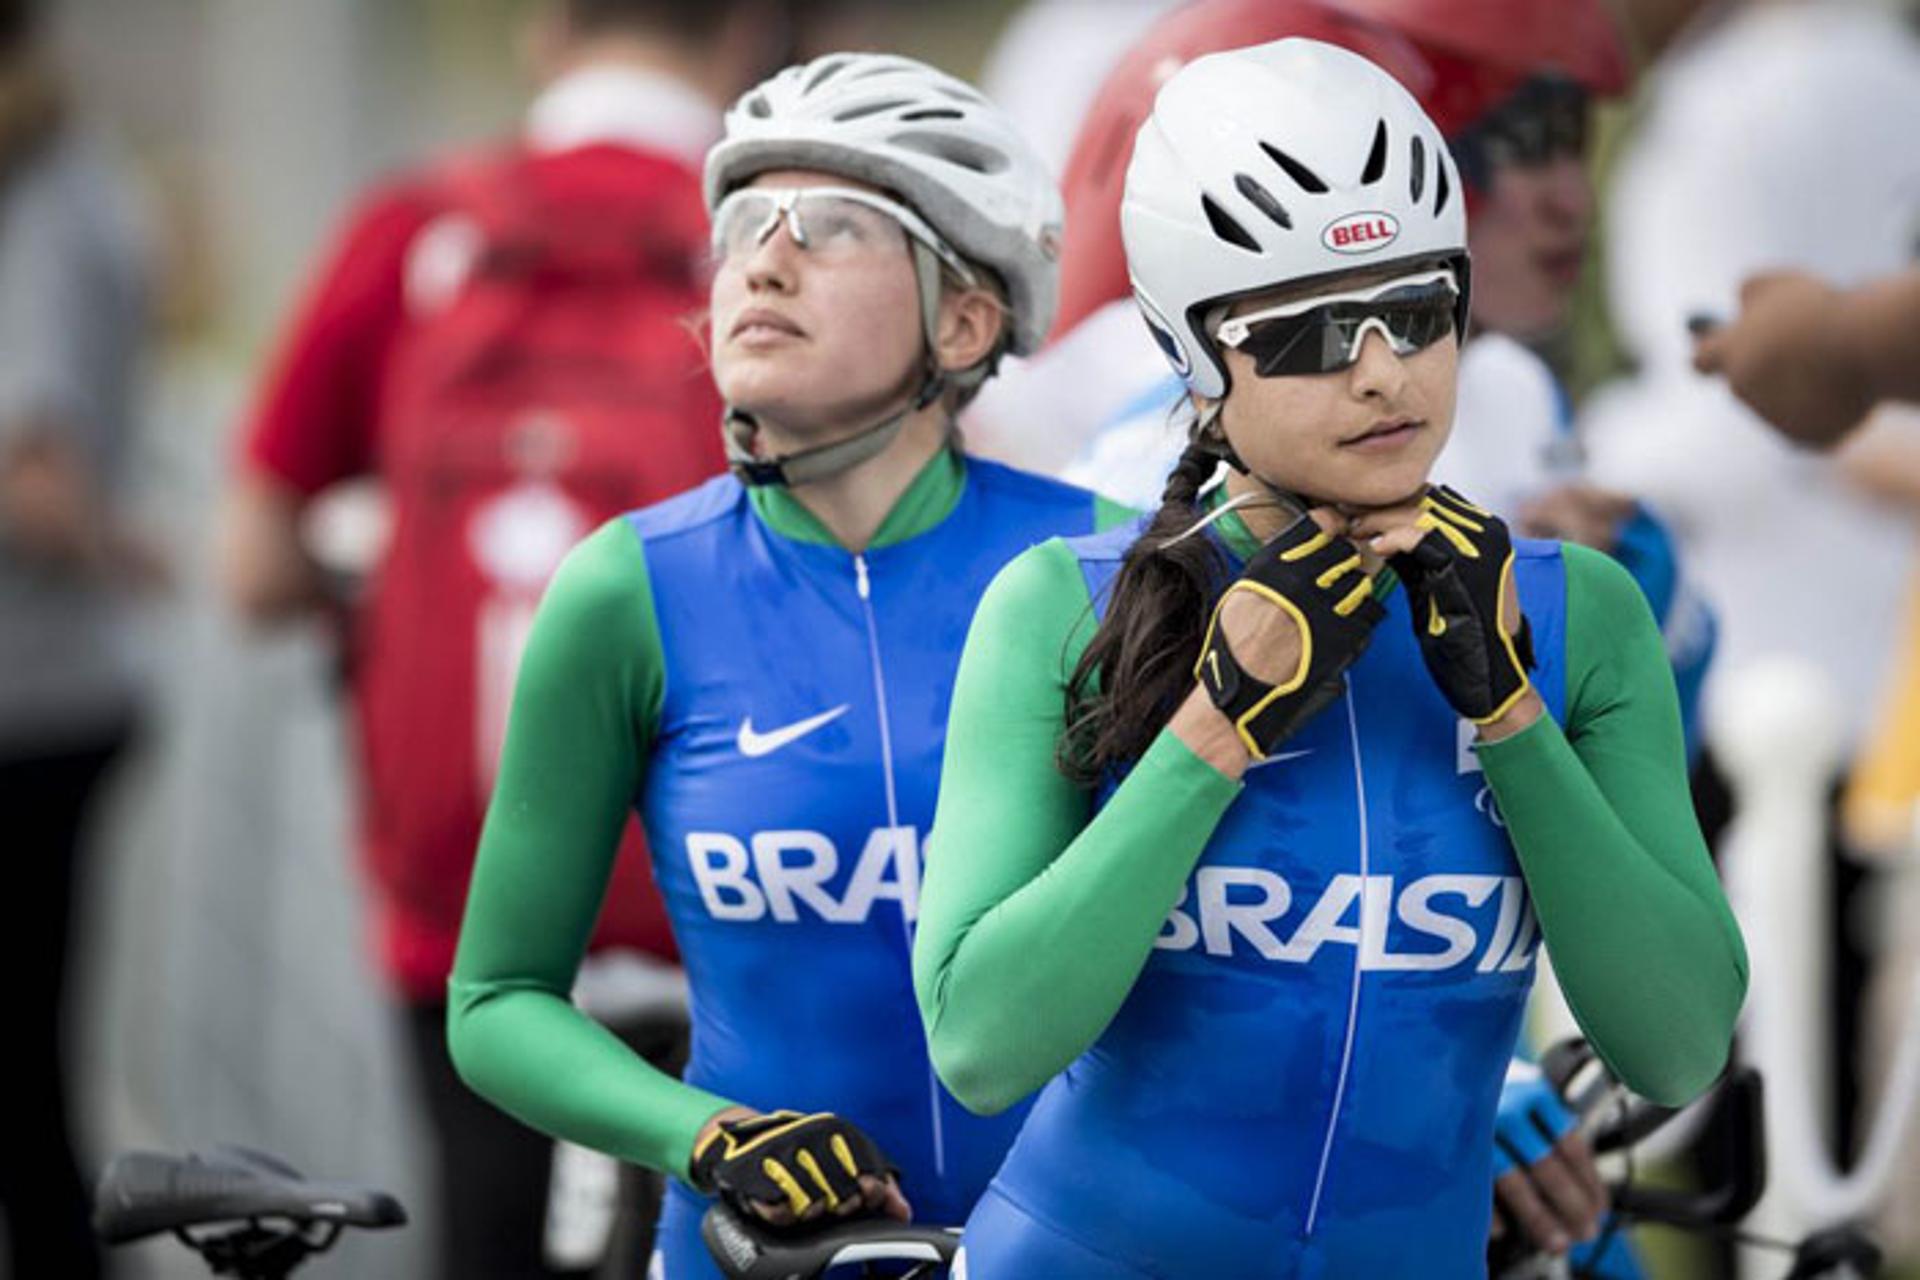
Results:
x,y
1318,580
1459,577
787,1158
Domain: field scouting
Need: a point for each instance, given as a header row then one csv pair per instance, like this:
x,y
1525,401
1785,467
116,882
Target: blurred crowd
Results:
x,y
268,556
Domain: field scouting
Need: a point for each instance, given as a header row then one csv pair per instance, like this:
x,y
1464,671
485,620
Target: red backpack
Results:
x,y
550,376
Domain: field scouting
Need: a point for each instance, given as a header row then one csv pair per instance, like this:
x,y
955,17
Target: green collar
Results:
x,y
1233,530
931,498
1240,540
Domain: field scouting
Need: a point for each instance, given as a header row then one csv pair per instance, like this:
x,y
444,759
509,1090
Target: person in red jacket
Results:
x,y
502,340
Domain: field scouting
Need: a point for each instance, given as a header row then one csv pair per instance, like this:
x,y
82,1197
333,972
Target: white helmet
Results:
x,y
1275,164
931,139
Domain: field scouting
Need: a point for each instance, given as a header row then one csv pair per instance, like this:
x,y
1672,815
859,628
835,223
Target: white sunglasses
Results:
x,y
1322,334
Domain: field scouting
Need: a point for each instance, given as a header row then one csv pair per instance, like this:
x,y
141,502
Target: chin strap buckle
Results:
x,y
805,465
759,471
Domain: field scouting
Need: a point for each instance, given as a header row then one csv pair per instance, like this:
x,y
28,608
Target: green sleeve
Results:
x,y
1034,921
584,712
1642,940
1108,513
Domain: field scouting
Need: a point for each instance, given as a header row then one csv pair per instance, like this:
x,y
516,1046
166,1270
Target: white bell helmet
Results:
x,y
1272,165
929,138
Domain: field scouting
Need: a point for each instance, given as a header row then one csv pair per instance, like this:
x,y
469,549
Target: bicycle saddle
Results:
x,y
143,1193
748,1252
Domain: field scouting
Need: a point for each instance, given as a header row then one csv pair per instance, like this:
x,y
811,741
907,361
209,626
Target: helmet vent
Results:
x,y
935,113
1304,178
861,110
1226,228
1440,200
758,107
1377,158
1263,200
1418,182
962,152
824,72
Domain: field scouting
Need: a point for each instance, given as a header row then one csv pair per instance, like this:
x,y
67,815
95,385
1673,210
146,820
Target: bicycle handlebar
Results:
x,y
1576,1073
751,1251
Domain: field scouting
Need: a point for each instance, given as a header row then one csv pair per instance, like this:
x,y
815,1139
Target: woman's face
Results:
x,y
1363,436
809,338
1528,235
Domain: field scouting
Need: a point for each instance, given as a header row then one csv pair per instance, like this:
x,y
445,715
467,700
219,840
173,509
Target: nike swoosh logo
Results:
x,y
1284,755
754,744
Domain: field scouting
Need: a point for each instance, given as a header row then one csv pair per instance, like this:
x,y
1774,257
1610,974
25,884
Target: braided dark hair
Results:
x,y
1139,664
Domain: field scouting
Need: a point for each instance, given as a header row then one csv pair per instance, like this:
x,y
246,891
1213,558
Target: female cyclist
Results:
x,y
1208,849
763,666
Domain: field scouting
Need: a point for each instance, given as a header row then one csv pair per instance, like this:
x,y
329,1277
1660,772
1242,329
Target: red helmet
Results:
x,y
1458,57
1093,266
1578,38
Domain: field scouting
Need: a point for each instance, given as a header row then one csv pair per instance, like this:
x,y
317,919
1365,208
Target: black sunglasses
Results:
x,y
1323,335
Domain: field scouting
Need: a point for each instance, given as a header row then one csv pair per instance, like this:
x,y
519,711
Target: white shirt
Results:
x,y
1041,412
646,110
1510,441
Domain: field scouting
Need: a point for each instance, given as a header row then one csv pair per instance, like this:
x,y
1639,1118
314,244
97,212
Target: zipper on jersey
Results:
x,y
1359,952
863,586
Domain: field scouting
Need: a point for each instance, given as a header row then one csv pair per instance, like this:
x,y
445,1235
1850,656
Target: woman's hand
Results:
x,y
1281,636
1582,513
783,1167
1545,1179
1457,563
1558,1199
1264,638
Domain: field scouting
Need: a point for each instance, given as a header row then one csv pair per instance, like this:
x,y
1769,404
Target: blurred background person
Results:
x,y
1719,180
73,310
1813,359
501,338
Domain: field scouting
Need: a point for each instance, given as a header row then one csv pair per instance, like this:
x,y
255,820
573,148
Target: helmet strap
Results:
x,y
739,431
1210,433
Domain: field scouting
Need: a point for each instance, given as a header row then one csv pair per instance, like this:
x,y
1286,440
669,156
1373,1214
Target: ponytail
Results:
x,y
1139,664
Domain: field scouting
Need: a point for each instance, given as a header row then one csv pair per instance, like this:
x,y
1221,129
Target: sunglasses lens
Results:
x,y
1420,322
738,222
1288,348
826,225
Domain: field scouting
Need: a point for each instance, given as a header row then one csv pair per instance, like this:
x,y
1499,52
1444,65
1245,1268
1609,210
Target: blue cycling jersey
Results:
x,y
1302,1082
791,781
